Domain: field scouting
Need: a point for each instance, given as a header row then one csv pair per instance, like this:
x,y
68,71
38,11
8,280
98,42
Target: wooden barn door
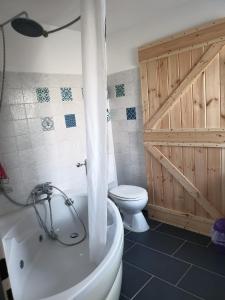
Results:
x,y
183,96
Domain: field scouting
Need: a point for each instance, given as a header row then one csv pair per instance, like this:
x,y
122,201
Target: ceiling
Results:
x,y
121,14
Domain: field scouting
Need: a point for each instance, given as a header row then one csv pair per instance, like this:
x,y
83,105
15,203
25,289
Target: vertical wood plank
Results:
x,y
163,91
175,122
144,91
146,114
199,119
213,121
222,121
185,64
153,84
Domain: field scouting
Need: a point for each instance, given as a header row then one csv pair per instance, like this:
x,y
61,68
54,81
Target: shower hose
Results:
x,y
36,200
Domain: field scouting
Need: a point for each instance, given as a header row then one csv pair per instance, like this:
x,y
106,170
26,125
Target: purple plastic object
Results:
x,y
220,225
218,235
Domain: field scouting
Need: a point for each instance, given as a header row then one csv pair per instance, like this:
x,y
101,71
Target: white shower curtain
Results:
x,y
95,97
112,173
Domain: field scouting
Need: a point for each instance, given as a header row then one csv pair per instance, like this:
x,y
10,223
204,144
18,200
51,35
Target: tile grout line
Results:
x,y
181,260
121,294
124,252
182,277
210,242
171,284
179,288
156,227
179,247
144,285
180,238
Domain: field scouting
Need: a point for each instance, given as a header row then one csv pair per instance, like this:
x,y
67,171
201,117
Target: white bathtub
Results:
x,y
55,272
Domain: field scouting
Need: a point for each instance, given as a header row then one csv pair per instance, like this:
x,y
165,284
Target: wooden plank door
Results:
x,y
183,96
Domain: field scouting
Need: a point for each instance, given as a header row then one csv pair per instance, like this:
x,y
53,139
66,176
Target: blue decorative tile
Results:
x,y
43,95
131,113
66,94
108,115
47,124
70,121
120,90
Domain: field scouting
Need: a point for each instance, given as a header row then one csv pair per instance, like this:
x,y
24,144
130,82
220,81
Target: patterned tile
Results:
x,y
43,95
70,120
108,115
131,113
66,94
120,90
47,124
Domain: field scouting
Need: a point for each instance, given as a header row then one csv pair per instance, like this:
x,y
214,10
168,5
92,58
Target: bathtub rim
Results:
x,y
115,250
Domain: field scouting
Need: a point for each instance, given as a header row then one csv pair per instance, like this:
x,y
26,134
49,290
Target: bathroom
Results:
x,y
112,159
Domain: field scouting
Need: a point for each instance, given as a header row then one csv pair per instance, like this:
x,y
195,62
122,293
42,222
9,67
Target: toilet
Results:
x,y
131,200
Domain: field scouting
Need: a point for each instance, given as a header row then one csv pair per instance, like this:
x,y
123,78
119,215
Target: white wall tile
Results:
x,y
18,112
7,128
8,145
29,95
21,127
23,142
13,96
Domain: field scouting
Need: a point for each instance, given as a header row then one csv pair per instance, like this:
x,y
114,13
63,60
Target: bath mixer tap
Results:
x,y
44,189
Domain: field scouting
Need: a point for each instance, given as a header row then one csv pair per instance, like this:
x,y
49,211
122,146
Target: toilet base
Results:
x,y
135,222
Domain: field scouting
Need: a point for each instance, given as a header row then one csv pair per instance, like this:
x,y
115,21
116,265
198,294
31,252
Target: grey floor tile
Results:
x,y
152,223
204,257
204,284
133,280
126,231
184,234
159,290
161,265
127,244
156,240
123,297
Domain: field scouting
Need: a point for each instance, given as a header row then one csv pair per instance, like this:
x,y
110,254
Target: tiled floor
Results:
x,y
168,263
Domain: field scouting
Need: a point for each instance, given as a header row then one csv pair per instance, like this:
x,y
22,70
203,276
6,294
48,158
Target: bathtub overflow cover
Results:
x,y
74,235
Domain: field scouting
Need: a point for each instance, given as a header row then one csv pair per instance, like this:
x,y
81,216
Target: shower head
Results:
x,y
28,27
31,28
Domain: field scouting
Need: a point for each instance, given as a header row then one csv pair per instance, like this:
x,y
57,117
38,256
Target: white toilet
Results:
x,y
130,201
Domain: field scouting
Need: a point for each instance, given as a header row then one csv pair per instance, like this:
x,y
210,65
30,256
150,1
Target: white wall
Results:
x,y
122,46
59,53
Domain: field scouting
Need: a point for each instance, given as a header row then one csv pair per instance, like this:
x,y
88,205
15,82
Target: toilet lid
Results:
x,y
128,192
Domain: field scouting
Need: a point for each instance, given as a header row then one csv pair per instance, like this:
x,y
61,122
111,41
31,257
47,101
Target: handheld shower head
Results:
x,y
28,27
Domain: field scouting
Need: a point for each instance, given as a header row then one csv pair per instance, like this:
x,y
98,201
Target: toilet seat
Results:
x,y
128,193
